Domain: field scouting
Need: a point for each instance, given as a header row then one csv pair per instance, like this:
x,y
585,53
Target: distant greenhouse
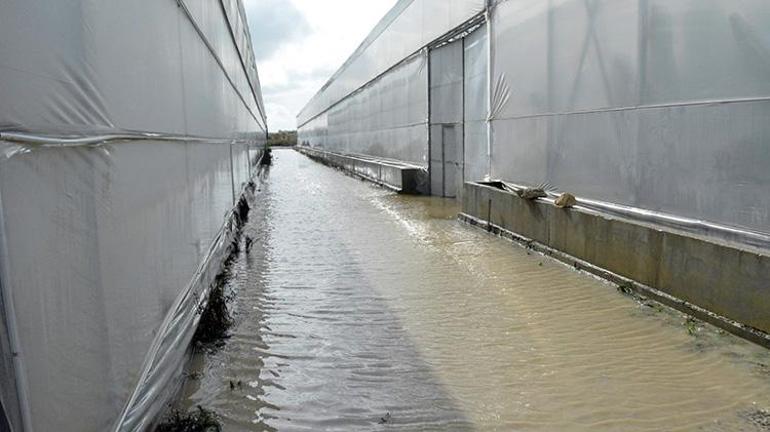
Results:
x,y
656,107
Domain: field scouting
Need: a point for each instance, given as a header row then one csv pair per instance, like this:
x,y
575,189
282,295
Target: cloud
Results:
x,y
301,43
272,24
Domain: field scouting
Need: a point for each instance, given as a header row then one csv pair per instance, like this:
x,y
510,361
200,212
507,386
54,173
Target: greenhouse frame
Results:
x,y
657,106
128,132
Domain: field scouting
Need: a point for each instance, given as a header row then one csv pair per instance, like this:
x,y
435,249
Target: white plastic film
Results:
x,y
652,104
476,89
406,29
68,78
126,131
387,118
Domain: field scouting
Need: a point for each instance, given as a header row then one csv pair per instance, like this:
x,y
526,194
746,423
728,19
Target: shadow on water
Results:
x,y
358,309
313,346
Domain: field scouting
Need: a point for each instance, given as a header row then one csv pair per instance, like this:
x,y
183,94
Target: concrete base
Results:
x,y
722,284
396,175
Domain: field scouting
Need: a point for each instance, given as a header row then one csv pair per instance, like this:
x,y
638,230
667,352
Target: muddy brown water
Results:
x,y
358,309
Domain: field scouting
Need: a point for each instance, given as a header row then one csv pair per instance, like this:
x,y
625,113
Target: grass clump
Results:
x,y
626,288
242,210
199,420
267,157
215,319
692,326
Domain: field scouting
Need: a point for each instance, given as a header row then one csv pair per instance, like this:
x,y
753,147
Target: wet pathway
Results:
x,y
358,309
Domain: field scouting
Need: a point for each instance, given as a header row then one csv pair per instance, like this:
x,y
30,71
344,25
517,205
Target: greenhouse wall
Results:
x,y
655,106
119,169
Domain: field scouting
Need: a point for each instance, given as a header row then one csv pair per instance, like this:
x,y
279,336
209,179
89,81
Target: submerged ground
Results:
x,y
358,309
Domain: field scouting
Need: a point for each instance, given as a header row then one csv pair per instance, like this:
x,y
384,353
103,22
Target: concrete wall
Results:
x,y
726,280
395,175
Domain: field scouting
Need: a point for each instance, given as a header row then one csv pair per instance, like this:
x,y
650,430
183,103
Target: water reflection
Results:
x,y
358,310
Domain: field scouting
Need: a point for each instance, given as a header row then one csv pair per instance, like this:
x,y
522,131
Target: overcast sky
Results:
x,y
299,44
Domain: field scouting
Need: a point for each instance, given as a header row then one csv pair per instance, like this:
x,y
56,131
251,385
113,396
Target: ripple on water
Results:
x,y
355,303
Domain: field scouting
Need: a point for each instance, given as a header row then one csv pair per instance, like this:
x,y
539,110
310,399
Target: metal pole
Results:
x,y
490,87
13,332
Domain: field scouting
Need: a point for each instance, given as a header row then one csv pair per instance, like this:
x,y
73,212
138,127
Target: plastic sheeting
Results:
x,y
446,119
656,105
652,104
476,101
126,133
80,67
387,118
405,30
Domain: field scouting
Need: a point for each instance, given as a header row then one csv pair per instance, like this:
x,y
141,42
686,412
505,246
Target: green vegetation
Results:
x,y
215,322
626,288
282,139
215,319
267,157
692,325
200,420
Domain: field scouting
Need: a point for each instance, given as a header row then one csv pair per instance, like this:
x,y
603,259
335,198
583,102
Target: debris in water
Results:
x,y
249,243
215,319
193,375
385,419
692,326
759,418
762,368
200,420
242,212
626,288
657,307
267,157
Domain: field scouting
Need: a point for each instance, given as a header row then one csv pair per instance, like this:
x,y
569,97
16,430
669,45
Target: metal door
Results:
x,y
446,119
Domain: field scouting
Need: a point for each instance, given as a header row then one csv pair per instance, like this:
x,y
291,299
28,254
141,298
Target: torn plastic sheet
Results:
x,y
501,94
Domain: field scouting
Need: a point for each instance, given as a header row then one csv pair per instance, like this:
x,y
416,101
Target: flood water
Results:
x,y
359,309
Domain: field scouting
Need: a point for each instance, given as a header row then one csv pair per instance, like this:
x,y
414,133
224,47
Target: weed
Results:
x,y
242,212
195,376
657,307
249,243
215,321
199,420
692,326
267,157
626,288
385,419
